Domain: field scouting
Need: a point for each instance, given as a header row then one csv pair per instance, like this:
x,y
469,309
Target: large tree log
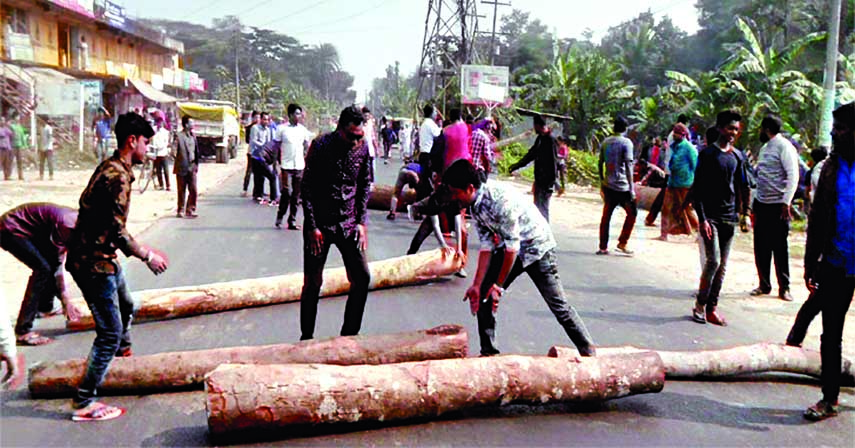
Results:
x,y
183,370
742,360
241,397
171,303
645,196
380,197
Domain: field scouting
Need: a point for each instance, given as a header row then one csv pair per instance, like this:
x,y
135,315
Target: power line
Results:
x,y
342,19
292,14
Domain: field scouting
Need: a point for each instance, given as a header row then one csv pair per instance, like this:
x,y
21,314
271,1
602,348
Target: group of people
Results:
x,y
515,234
15,143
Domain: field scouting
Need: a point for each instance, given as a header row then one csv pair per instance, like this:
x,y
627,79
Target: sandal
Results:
x,y
821,411
97,412
33,339
699,315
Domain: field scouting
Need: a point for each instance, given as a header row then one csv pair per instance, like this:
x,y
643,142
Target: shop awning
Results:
x,y
151,93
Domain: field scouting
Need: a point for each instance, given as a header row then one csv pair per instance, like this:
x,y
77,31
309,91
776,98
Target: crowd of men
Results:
x,y
331,176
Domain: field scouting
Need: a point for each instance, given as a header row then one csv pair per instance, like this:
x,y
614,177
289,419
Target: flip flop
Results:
x,y
97,412
33,339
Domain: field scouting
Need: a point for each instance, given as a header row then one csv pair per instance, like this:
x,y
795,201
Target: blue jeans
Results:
x,y
544,274
717,250
112,309
102,149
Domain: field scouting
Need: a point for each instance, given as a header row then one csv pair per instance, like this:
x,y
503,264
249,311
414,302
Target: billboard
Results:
x,y
484,85
83,7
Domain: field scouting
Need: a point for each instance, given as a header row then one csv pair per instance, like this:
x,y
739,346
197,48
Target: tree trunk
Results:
x,y
380,198
182,370
746,359
185,301
242,397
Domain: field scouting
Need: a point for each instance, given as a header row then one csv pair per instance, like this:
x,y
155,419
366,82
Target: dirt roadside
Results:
x,y
577,211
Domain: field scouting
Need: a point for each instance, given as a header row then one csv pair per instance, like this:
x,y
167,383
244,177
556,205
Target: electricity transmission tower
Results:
x,y
451,27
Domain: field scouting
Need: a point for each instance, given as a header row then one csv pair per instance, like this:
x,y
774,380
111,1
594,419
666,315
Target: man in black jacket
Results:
x,y
543,153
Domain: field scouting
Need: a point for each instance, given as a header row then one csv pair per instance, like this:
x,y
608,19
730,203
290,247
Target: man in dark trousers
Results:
x,y
830,254
335,204
544,155
247,133
100,230
186,168
618,190
720,194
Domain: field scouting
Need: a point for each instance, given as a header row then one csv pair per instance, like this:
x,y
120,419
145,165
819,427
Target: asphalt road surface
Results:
x,y
622,300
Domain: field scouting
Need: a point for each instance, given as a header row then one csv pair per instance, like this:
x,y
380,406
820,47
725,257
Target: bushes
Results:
x,y
511,154
581,165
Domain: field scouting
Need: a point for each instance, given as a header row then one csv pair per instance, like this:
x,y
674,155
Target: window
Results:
x,y
16,19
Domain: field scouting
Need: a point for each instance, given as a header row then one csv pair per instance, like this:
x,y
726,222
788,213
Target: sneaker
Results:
x,y
624,250
603,252
785,296
821,411
758,291
278,223
698,314
461,273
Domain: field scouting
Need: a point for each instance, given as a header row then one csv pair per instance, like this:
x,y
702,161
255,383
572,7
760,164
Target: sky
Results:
x,y
372,34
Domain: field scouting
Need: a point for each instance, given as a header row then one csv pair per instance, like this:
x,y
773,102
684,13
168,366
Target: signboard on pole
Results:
x,y
484,85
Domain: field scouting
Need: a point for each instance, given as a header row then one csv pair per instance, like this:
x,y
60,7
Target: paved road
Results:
x,y
622,300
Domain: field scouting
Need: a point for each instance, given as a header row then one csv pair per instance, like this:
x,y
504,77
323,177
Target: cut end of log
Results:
x,y
445,330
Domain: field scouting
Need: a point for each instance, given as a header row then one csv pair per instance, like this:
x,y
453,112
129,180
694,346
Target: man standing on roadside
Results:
x,y
720,194
544,153
20,144
777,181
295,139
247,134
261,170
615,168
684,160
830,254
428,132
92,261
515,238
46,151
6,153
335,207
102,137
186,168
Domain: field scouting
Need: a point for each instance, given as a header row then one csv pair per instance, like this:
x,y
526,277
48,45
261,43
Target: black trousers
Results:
x,y
261,172
770,239
836,291
356,266
290,180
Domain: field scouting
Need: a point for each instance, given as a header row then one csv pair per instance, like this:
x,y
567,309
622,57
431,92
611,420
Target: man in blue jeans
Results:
x,y
515,238
92,261
830,255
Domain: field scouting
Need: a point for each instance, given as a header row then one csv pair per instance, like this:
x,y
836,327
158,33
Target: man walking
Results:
x,y
777,181
481,145
295,140
92,261
720,194
615,169
186,168
247,134
261,170
335,204
515,238
684,160
544,153
428,132
830,254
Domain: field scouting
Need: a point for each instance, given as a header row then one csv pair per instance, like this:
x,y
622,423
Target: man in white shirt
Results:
x,y
46,151
160,146
295,140
428,132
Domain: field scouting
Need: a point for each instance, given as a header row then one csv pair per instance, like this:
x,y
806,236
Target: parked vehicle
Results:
x,y
216,127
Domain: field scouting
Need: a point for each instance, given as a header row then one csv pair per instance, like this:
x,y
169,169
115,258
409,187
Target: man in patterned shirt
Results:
x,y
515,238
481,146
92,261
335,205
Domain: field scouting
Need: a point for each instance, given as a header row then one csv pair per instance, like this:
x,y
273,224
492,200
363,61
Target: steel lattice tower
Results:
x,y
449,42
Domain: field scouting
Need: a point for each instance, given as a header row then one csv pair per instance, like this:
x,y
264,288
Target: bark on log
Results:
x,y
241,397
742,360
380,198
182,370
645,196
185,301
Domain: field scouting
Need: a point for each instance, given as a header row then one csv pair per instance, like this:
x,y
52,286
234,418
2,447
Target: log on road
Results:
x,y
645,196
380,197
183,370
185,301
742,360
243,397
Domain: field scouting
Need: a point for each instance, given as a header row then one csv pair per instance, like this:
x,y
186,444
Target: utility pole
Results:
x,y
237,67
496,5
831,53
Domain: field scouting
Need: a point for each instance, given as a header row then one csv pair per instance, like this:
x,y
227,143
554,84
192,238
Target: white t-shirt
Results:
x,y
160,142
47,138
427,133
292,138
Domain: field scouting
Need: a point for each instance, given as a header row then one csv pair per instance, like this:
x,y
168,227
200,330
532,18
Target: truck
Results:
x,y
216,127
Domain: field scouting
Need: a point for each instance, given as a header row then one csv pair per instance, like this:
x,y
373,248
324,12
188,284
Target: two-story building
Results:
x,y
70,58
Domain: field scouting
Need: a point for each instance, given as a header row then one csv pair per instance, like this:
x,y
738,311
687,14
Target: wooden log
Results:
x,y
242,397
645,196
171,303
742,360
184,370
380,198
